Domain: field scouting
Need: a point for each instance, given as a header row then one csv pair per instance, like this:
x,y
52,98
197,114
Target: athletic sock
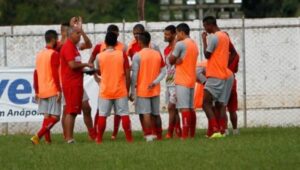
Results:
x,y
101,128
158,131
222,125
171,129
193,124
92,133
186,123
126,123
117,120
214,125
96,121
178,130
49,123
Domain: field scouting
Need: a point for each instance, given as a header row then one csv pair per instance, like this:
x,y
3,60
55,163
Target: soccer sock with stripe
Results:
x,y
126,124
186,123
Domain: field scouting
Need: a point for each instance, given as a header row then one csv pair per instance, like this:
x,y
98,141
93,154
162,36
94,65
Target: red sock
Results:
x,y
171,129
96,121
92,133
186,123
101,127
213,125
49,123
147,131
222,125
127,128
178,129
193,124
47,133
158,131
117,120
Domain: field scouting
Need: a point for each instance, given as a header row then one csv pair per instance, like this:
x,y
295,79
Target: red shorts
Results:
x,y
232,105
73,98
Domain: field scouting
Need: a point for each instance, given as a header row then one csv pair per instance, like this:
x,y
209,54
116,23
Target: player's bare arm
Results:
x,y
204,39
75,65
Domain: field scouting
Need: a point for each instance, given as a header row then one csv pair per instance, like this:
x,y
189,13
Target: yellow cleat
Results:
x,y
35,140
216,135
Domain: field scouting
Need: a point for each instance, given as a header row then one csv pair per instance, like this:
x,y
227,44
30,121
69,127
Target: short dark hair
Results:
x,y
171,28
50,35
65,24
112,28
210,20
111,39
145,38
183,27
139,27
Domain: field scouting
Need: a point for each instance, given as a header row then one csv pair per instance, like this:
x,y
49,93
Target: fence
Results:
x,y
268,77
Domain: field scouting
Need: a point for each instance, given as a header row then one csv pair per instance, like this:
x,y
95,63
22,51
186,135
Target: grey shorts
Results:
x,y
146,105
171,95
49,106
85,97
227,90
216,88
185,97
120,106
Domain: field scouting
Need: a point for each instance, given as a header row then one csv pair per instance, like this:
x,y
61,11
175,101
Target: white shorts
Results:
x,y
49,106
185,97
146,105
85,97
171,95
120,106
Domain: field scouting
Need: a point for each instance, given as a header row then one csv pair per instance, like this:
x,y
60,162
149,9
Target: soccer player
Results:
x,y
184,56
72,80
218,84
174,119
47,86
86,108
115,82
232,105
100,48
147,72
134,47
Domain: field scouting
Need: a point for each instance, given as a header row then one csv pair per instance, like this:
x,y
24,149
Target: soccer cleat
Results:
x,y
149,138
235,132
71,141
35,140
216,135
113,137
168,136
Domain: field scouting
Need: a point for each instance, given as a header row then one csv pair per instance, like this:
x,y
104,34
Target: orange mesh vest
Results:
x,y
47,87
119,46
113,80
150,65
218,62
198,96
185,73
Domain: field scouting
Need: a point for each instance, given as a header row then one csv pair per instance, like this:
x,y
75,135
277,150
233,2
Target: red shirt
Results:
x,y
70,77
96,51
233,66
133,48
167,50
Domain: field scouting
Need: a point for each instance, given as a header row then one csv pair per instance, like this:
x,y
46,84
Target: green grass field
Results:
x,y
255,148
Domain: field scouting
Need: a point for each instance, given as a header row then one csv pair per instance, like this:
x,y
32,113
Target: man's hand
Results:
x,y
58,99
204,35
97,78
132,97
151,86
90,65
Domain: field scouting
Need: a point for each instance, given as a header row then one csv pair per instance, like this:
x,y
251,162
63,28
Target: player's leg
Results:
x,y
232,108
105,107
122,110
143,107
193,114
63,102
171,100
73,98
183,104
155,110
88,121
178,130
117,121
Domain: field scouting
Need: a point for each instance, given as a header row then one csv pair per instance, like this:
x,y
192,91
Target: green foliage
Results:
x,y
270,8
18,12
